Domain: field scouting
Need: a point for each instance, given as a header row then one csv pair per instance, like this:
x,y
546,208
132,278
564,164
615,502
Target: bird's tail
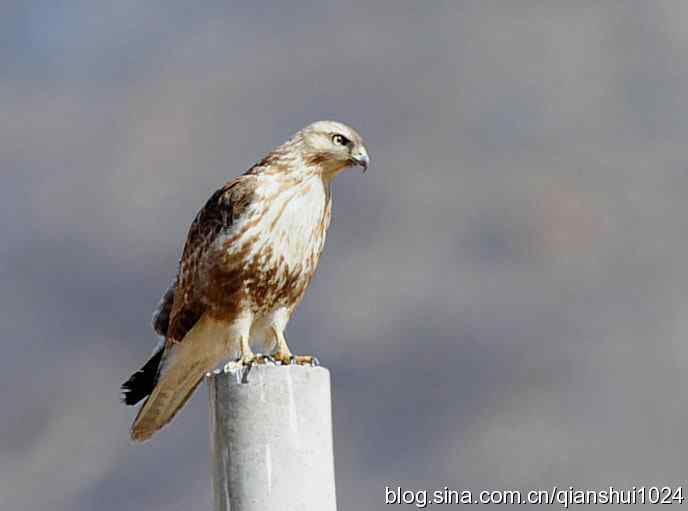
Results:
x,y
142,382
183,366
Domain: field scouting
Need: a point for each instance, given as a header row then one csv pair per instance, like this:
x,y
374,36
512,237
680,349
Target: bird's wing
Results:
x,y
185,365
161,315
193,337
220,216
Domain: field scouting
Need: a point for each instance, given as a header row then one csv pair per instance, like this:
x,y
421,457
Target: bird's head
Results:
x,y
333,146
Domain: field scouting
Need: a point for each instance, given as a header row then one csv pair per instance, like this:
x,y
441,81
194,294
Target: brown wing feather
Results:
x,y
219,215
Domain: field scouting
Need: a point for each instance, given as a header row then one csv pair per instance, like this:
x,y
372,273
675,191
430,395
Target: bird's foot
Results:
x,y
249,359
242,366
302,360
246,359
263,359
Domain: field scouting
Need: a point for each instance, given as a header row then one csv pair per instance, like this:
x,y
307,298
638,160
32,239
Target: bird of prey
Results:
x,y
249,255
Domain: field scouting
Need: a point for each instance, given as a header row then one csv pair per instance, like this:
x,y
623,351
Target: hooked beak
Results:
x,y
360,157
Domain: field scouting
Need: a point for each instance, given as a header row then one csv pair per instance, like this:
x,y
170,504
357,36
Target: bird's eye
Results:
x,y
340,139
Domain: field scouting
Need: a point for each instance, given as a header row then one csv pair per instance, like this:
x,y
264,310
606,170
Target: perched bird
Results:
x,y
249,256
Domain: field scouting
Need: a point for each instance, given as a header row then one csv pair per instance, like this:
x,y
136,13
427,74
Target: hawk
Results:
x,y
250,253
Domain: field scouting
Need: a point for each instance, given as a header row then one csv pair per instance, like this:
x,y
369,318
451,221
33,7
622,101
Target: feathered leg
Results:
x,y
283,353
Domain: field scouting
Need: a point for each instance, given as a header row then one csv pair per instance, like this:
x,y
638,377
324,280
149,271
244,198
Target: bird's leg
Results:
x,y
247,356
239,332
283,353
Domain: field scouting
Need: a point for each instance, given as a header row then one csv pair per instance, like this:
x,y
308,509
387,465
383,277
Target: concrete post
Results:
x,y
271,439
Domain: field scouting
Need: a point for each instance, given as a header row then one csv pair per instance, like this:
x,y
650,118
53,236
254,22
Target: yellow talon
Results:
x,y
283,358
306,360
288,358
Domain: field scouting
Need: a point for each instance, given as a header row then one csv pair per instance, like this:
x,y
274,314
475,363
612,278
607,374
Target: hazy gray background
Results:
x,y
503,300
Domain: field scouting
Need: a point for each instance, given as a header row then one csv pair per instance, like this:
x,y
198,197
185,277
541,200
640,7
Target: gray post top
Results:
x,y
260,374
271,439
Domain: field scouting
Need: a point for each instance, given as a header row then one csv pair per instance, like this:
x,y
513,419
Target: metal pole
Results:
x,y
271,439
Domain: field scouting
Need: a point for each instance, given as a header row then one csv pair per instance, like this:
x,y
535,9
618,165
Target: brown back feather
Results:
x,y
219,214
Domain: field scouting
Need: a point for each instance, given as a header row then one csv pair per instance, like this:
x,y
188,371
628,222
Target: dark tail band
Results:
x,y
142,382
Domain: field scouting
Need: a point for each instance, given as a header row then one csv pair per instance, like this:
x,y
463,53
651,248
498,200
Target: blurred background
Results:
x,y
503,300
